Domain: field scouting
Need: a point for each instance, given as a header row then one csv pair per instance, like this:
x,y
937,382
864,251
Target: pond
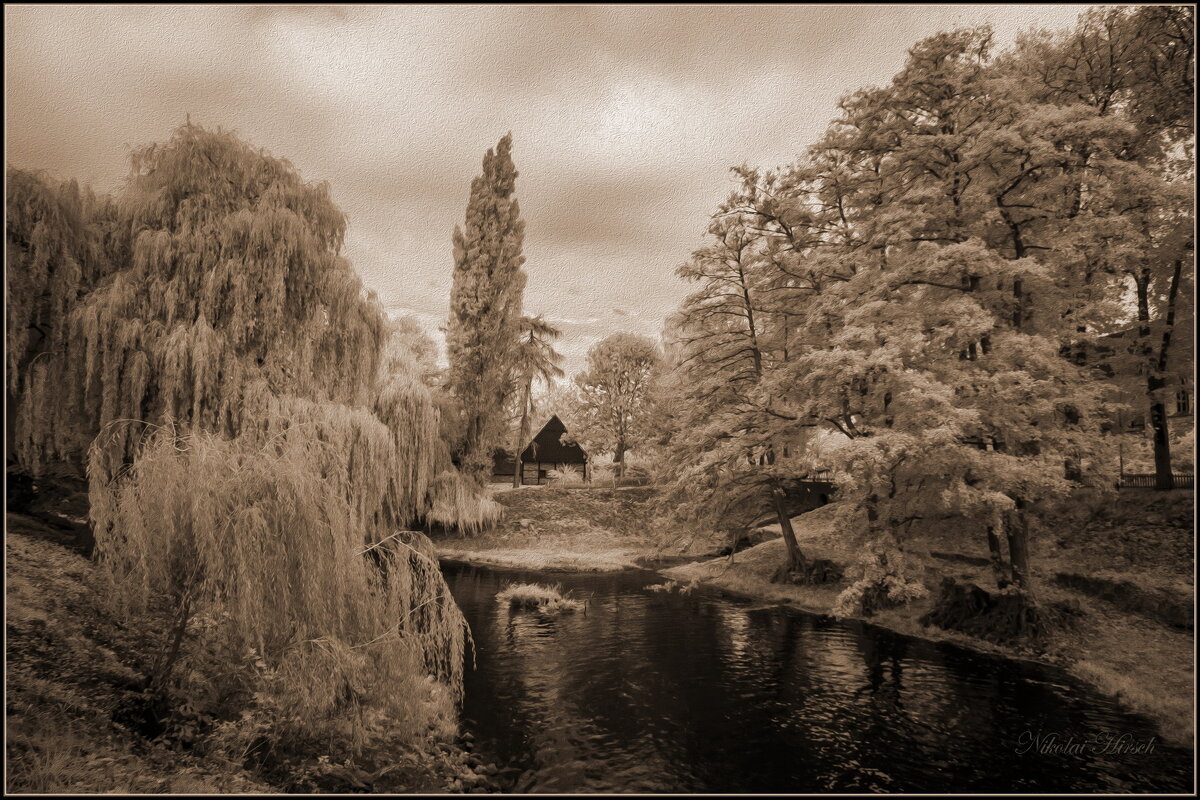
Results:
x,y
649,691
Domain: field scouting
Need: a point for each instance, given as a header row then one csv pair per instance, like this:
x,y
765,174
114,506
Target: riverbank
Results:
x,y
652,691
72,670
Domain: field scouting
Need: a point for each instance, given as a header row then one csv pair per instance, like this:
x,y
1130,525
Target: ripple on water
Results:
x,y
661,692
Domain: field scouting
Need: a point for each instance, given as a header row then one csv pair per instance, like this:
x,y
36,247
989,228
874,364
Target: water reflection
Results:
x,y
659,692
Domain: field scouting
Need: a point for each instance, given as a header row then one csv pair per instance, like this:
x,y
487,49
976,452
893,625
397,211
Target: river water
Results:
x,y
661,692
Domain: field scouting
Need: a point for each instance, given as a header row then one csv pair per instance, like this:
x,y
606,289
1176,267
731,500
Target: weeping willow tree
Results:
x,y
257,442
55,236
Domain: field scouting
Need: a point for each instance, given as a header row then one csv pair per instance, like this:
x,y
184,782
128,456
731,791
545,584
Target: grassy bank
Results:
x,y
69,672
578,529
1146,664
74,672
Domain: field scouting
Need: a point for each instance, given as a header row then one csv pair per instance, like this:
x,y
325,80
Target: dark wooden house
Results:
x,y
545,452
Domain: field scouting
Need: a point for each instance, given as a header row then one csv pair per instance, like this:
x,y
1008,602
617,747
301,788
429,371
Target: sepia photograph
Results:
x,y
599,399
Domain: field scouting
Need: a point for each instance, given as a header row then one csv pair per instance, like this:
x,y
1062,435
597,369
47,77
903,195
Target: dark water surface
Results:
x,y
661,692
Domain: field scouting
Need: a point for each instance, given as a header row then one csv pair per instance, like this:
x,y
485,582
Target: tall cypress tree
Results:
x,y
485,309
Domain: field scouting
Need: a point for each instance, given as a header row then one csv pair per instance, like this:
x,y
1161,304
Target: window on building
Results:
x,y
1183,402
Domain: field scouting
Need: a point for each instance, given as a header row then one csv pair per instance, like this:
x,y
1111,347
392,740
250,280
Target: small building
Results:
x,y
545,452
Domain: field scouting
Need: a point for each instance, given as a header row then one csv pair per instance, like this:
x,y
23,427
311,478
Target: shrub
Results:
x,y
458,503
886,577
1006,616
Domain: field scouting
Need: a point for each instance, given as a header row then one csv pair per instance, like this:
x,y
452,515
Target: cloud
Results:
x,y
625,119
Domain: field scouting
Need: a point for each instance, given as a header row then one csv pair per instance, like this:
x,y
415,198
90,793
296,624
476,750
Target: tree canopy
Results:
x,y
613,396
916,302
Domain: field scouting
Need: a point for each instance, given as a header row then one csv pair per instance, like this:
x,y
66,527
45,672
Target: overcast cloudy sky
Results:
x,y
624,119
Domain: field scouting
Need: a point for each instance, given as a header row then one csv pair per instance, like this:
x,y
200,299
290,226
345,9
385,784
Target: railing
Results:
x,y
1129,480
1143,480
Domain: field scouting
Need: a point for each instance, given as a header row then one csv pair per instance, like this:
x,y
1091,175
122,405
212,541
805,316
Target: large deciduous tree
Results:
x,y
921,282
729,440
613,401
485,310
1105,117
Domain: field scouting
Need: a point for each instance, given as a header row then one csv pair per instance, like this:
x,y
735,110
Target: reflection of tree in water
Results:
x,y
590,692
648,666
883,656
493,703
953,705
535,652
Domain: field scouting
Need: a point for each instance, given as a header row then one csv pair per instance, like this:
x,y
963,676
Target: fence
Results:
x,y
1142,480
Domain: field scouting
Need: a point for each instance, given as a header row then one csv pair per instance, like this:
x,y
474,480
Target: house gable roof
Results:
x,y
546,445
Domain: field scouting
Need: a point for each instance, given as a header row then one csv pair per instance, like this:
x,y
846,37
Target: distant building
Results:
x,y
545,452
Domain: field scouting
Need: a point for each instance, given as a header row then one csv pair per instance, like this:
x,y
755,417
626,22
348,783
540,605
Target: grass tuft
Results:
x,y
535,597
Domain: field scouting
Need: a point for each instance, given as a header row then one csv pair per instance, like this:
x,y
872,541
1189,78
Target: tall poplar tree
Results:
x,y
485,310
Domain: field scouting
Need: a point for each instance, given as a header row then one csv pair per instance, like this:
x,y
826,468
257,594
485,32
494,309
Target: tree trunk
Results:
x,y
521,433
1017,530
10,425
1155,383
619,458
1163,479
796,561
165,664
1000,570
469,455
520,440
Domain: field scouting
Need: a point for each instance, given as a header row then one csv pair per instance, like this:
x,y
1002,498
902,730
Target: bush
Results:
x,y
885,577
1003,617
457,504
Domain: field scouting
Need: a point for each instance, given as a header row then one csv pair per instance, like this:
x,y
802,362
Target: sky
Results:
x,y
625,120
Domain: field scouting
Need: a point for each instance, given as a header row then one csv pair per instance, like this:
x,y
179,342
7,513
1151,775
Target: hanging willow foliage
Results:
x,y
257,435
232,313
263,541
56,250
235,286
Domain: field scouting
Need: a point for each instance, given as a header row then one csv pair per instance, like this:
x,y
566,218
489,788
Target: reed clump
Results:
x,y
566,476
536,597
